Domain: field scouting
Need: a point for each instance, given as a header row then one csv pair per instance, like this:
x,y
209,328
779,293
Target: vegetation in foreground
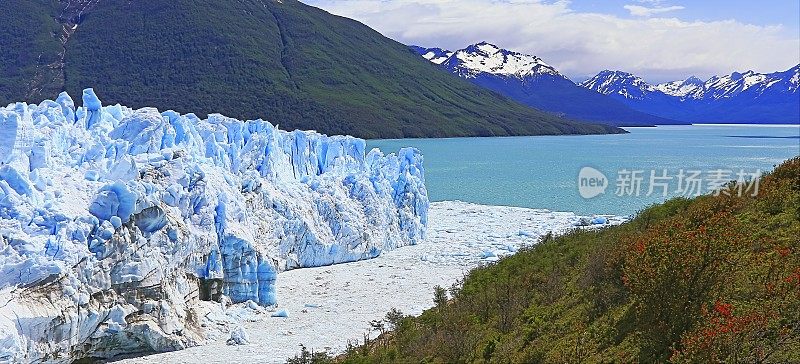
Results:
x,y
712,279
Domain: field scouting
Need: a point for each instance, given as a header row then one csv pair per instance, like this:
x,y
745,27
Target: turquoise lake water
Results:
x,y
542,171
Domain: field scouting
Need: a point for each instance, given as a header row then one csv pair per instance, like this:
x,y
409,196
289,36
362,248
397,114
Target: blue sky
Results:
x,y
770,12
660,40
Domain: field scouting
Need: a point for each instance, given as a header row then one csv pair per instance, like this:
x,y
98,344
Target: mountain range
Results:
x,y
620,98
531,81
747,97
282,60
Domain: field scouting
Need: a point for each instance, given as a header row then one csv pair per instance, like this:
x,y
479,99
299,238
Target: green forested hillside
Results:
x,y
284,61
29,48
713,279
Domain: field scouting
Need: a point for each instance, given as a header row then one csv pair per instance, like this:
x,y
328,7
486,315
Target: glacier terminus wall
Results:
x,y
118,227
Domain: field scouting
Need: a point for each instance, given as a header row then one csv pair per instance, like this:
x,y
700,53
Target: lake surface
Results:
x,y
542,171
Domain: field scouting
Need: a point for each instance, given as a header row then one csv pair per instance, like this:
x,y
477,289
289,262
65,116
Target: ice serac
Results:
x,y
119,227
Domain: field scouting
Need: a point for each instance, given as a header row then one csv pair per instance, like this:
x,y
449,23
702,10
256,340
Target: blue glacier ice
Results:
x,y
117,224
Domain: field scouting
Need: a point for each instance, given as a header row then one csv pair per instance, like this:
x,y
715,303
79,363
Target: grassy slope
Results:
x,y
284,61
708,279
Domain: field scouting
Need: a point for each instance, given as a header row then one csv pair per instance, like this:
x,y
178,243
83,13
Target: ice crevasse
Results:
x,y
116,224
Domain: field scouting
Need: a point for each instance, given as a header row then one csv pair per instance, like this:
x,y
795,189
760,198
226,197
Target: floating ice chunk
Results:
x,y
238,337
525,234
252,305
511,248
280,313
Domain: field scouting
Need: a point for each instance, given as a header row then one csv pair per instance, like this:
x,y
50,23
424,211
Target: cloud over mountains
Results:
x,y
652,43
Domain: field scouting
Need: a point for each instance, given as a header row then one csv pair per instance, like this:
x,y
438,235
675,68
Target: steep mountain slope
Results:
x,y
280,60
533,82
711,279
28,48
748,97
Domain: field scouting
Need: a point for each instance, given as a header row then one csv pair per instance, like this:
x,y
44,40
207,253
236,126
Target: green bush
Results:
x,y
712,279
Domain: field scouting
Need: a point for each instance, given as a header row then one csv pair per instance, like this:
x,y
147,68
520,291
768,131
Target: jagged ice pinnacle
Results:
x,y
116,224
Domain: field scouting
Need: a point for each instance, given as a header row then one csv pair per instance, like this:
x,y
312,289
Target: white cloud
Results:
x,y
638,10
581,44
651,2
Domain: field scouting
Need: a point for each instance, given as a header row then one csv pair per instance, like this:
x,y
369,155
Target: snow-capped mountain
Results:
x,y
486,58
531,81
737,97
435,55
691,87
752,83
621,83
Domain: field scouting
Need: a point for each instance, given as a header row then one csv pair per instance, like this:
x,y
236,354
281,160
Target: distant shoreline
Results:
x,y
621,127
775,125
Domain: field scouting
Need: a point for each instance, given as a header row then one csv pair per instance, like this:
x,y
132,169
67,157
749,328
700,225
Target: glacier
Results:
x,y
122,229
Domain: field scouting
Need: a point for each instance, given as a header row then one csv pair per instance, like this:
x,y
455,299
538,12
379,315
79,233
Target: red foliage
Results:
x,y
794,277
722,331
639,246
724,309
